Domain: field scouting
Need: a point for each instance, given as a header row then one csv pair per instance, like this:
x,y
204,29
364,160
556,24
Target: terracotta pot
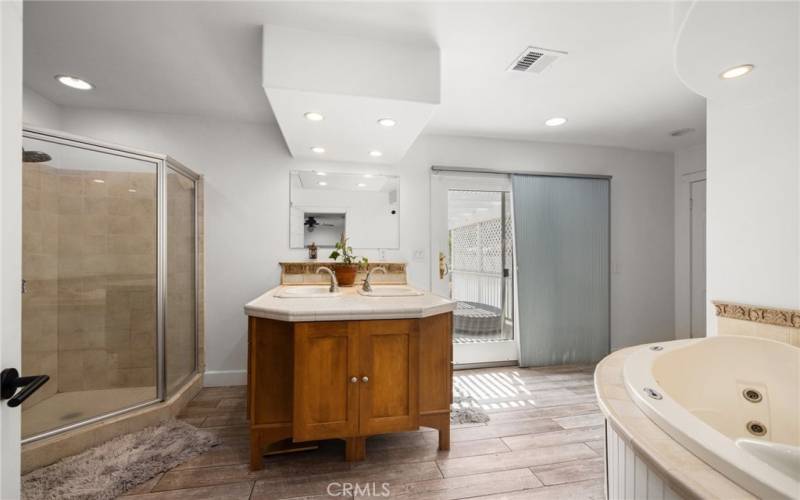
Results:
x,y
346,274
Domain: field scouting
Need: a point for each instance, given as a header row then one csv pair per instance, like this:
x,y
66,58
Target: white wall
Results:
x,y
246,168
753,147
753,207
39,111
11,229
690,164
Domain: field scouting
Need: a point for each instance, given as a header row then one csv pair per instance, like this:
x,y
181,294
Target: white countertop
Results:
x,y
350,305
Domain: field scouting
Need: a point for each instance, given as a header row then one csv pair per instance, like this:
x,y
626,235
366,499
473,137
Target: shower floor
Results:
x,y
65,408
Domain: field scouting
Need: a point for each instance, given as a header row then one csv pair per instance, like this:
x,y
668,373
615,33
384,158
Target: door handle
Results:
x,y
443,269
10,381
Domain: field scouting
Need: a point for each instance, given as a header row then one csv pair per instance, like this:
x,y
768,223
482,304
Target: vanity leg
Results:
x,y
355,449
444,432
256,458
444,437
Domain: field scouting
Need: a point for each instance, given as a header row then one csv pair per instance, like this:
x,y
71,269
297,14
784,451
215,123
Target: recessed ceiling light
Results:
x,y
368,176
314,116
375,153
131,190
74,82
322,183
555,122
361,185
387,122
99,181
321,174
319,150
736,71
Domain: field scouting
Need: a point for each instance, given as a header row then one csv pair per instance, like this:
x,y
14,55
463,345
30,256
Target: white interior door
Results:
x,y
698,259
10,228
472,263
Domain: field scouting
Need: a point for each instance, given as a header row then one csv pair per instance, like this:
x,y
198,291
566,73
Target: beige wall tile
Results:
x,y
92,247
731,326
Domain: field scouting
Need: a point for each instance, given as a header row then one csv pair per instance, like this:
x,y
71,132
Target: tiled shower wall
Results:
x,y
90,260
40,270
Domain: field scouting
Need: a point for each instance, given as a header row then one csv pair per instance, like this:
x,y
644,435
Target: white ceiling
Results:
x,y
617,86
715,38
305,179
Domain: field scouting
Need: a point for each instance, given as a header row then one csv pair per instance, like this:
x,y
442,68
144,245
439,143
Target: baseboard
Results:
x,y
224,378
492,364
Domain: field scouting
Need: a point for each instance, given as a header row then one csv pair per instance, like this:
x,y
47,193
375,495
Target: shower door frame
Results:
x,y
163,164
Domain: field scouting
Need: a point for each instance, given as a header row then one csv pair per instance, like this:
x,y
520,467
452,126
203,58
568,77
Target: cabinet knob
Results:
x,y
354,380
365,379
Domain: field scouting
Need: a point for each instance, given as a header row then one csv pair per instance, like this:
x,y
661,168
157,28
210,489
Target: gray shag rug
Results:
x,y
112,468
465,410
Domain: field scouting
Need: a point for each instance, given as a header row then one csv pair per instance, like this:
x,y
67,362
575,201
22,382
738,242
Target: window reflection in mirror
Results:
x,y
364,206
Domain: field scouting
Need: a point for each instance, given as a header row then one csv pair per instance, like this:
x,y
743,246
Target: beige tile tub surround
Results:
x,y
782,325
678,468
304,272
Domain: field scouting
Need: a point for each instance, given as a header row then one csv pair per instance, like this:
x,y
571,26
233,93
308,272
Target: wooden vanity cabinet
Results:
x,y
347,379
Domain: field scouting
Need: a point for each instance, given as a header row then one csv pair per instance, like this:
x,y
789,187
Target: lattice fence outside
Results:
x,y
477,264
478,247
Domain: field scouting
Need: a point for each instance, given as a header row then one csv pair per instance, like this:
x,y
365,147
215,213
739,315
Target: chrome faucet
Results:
x,y
367,287
334,284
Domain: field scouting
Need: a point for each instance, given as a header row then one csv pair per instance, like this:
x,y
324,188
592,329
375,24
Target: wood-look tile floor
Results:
x,y
544,441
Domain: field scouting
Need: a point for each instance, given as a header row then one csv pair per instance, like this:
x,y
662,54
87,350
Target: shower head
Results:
x,y
35,156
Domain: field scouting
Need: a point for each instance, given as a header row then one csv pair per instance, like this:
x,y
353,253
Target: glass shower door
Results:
x,y
89,265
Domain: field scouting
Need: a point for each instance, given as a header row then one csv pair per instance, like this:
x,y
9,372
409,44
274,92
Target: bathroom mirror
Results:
x,y
363,206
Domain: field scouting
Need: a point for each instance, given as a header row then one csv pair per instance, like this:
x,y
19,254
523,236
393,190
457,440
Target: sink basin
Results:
x,y
306,292
390,291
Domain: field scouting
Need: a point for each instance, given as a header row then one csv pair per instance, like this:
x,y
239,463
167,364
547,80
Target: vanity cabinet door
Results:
x,y
389,363
325,391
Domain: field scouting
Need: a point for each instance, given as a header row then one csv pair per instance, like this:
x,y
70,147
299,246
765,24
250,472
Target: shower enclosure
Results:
x,y
110,279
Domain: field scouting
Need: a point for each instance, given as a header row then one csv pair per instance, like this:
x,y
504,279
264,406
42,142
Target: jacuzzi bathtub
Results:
x,y
732,401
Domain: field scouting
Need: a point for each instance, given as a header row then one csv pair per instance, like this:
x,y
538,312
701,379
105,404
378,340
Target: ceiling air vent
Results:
x,y
535,60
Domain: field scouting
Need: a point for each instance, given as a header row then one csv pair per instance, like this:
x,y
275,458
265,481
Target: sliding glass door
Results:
x,y
473,247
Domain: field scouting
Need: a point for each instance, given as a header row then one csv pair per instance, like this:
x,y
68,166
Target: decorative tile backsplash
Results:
x,y
782,325
305,273
768,315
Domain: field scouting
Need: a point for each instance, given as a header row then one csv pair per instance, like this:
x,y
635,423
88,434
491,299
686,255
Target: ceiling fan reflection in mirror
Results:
x,y
312,222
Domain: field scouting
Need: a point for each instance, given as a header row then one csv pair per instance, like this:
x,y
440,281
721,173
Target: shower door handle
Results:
x,y
10,381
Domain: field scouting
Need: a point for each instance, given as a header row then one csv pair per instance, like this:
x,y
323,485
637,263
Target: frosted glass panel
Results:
x,y
561,226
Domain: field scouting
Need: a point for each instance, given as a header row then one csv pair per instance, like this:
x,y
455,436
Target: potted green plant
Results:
x,y
346,269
